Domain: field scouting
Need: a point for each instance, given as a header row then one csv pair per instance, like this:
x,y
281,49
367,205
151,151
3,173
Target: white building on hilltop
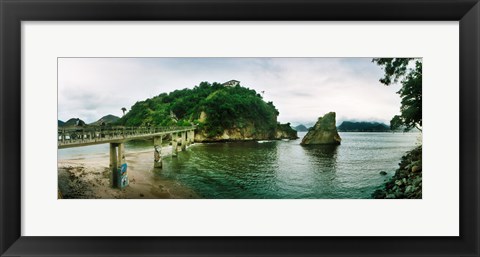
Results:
x,y
231,83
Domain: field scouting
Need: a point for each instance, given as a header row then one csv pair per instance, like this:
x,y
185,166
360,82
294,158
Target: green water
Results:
x,y
282,169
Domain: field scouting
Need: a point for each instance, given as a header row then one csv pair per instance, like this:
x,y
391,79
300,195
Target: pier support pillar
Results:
x,y
174,144
192,136
113,164
179,142
187,137
184,141
118,165
157,144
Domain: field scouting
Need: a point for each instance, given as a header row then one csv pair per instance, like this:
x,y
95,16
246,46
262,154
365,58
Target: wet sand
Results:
x,y
89,177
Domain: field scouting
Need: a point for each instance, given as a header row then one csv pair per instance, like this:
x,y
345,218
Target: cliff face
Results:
x,y
233,134
284,131
324,132
249,132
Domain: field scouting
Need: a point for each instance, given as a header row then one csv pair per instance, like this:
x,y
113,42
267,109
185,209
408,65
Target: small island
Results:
x,y
222,112
324,132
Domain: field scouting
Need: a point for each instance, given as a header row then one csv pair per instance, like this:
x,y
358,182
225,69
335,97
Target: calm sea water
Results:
x,y
281,169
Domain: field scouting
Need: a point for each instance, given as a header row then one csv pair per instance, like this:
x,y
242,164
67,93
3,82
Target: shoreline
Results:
x,y
406,183
90,178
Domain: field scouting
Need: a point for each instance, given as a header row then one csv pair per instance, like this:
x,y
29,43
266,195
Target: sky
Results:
x,y
302,89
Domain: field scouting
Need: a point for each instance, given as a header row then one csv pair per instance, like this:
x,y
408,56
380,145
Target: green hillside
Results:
x,y
215,108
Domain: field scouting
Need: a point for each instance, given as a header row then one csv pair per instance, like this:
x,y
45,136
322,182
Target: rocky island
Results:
x,y
222,112
324,132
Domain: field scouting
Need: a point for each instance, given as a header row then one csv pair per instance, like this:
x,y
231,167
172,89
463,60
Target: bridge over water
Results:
x,y
117,136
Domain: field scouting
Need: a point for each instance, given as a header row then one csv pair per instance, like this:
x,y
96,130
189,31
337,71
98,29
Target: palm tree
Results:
x,y
124,110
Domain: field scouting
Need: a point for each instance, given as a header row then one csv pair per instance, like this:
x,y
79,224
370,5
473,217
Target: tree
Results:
x,y
407,71
124,110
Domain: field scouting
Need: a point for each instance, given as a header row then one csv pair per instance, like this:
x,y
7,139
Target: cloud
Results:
x,y
302,89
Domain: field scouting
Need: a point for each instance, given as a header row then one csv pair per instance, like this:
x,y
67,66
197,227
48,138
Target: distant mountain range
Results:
x,y
78,122
301,128
71,122
105,119
351,126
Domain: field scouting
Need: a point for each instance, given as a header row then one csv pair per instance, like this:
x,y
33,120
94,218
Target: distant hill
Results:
x,y
61,123
106,119
301,128
73,122
351,126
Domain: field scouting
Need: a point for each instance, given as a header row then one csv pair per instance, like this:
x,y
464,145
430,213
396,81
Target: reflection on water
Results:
x,y
324,157
284,169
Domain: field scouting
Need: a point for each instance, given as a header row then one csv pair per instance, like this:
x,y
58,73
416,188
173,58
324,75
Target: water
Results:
x,y
102,150
282,169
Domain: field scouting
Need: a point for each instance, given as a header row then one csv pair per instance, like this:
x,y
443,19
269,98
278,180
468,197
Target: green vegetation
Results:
x,y
407,181
409,72
213,107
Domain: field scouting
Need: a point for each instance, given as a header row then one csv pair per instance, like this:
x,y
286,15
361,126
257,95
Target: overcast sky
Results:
x,y
302,89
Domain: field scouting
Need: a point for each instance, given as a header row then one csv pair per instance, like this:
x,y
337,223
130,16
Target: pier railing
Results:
x,y
79,136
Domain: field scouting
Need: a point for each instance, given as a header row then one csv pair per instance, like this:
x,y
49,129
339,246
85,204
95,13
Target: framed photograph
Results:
x,y
293,128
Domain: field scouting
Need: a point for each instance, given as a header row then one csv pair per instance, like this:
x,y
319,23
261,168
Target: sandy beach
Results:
x,y
89,177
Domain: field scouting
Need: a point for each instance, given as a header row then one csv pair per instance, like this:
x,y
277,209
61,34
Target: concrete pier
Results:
x,y
157,155
191,136
117,136
113,164
184,141
179,143
118,165
174,144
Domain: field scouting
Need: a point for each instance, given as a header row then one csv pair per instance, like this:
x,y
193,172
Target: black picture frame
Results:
x,y
13,12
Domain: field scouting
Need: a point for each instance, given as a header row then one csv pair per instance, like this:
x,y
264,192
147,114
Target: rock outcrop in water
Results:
x,y
324,132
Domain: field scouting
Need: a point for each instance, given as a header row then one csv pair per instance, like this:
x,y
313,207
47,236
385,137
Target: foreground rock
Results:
x,y
407,181
324,132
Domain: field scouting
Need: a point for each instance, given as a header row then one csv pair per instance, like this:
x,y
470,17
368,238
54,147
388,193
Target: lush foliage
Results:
x,y
407,71
223,106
